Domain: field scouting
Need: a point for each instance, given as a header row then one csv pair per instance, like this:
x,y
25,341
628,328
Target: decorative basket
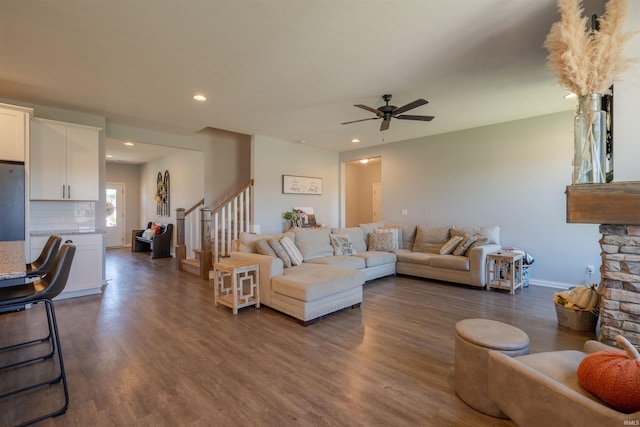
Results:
x,y
580,320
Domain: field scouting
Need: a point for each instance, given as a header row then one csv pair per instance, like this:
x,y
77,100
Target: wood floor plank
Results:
x,y
154,350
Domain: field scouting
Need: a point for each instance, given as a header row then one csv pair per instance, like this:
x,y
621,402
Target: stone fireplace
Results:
x,y
616,207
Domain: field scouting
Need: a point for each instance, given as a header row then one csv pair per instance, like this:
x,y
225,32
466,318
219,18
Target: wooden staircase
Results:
x,y
217,229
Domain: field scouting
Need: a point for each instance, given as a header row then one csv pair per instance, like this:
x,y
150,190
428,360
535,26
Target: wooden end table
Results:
x,y
241,289
504,271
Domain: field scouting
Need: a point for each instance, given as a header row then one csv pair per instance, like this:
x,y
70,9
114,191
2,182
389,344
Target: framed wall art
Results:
x,y
292,184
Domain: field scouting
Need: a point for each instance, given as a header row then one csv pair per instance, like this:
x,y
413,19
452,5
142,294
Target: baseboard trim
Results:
x,y
551,284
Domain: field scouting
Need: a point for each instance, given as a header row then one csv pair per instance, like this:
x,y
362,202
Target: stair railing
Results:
x,y
230,218
188,233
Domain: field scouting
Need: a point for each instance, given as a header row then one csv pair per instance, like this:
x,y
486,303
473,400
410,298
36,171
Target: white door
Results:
x,y
377,202
115,215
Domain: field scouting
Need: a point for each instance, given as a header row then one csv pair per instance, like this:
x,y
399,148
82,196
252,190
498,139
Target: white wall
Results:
x,y
273,158
626,123
186,169
512,174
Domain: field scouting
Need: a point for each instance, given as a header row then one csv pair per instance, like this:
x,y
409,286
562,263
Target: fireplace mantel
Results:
x,y
613,203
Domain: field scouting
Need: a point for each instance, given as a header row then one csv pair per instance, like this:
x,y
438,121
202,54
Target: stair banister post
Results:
x,y
206,261
180,249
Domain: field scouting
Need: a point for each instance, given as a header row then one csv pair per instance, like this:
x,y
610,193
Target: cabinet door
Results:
x,y
82,163
12,134
48,160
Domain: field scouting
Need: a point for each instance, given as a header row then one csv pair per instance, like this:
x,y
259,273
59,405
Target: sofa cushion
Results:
x,y
346,261
356,234
248,240
450,245
430,239
309,282
374,258
280,252
313,242
407,235
370,228
492,233
380,242
395,232
451,262
411,257
291,250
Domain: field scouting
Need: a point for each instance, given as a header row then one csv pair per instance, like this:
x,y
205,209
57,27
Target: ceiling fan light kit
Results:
x,y
387,112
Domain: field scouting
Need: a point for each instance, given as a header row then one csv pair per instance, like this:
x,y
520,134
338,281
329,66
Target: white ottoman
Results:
x,y
474,339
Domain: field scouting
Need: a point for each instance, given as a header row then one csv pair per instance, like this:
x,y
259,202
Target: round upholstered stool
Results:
x,y
474,339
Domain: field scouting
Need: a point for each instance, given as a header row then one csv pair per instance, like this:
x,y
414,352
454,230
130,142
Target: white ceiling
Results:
x,y
287,69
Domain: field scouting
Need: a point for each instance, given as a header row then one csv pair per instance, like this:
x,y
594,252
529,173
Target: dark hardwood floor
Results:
x,y
153,350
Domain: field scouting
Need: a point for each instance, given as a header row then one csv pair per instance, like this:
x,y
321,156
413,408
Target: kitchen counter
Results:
x,y
12,263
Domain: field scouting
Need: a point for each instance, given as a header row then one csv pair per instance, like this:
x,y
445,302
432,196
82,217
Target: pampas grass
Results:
x,y
585,60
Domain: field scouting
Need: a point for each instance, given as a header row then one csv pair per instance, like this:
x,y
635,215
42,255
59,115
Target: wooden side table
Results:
x,y
504,271
241,289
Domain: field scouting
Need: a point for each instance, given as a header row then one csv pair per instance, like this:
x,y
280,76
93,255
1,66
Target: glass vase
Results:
x,y
590,141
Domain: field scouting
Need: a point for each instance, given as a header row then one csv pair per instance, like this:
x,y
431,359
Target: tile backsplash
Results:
x,y
62,216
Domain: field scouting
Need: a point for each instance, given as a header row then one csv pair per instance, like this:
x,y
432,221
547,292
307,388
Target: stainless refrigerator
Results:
x,y
12,201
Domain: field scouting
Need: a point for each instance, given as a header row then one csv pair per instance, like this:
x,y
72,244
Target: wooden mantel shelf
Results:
x,y
613,203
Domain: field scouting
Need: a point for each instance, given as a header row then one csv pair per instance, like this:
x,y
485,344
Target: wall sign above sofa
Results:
x,y
292,184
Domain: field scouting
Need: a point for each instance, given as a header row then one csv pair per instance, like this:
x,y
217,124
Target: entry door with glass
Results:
x,y
115,215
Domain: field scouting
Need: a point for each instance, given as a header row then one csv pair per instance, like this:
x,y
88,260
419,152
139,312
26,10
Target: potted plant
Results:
x,y
291,217
578,308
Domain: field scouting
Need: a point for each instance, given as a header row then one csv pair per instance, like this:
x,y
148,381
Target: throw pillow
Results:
x,y
157,228
280,252
357,237
467,240
407,234
479,242
612,375
148,233
292,250
263,248
380,242
451,244
395,245
342,244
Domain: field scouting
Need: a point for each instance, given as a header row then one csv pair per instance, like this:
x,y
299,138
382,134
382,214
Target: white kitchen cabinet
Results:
x,y
64,161
14,132
85,277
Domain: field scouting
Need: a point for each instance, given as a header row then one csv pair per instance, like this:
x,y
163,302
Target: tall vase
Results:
x,y
590,141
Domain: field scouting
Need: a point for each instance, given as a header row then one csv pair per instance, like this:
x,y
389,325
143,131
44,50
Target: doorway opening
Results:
x,y
115,214
363,191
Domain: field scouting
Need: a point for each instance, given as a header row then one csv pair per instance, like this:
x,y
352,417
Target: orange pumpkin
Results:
x,y
613,376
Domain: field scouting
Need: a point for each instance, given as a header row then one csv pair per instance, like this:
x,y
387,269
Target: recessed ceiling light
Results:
x,y
355,140
109,156
200,97
364,161
302,141
130,144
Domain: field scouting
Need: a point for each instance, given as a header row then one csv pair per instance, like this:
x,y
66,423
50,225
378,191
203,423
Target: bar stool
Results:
x,y
42,290
46,258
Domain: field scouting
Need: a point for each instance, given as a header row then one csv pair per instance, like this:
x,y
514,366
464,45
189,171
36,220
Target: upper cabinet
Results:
x,y
64,161
14,132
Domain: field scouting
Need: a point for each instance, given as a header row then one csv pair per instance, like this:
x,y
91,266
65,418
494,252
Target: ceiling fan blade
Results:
x,y
373,110
409,106
361,120
410,117
385,124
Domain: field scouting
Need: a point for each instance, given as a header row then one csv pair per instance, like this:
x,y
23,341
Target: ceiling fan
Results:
x,y
386,112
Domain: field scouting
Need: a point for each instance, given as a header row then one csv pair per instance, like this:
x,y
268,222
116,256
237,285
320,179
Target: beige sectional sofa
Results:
x,y
334,263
